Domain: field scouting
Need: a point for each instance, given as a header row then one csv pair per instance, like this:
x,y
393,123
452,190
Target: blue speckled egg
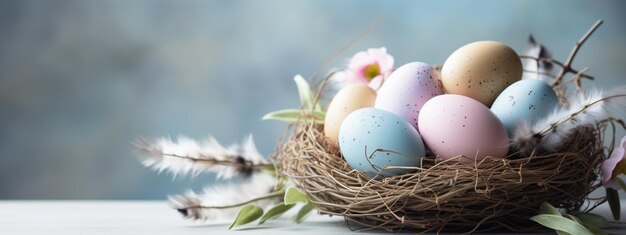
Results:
x,y
525,100
371,139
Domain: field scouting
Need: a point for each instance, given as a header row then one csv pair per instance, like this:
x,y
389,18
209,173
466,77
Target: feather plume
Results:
x,y
188,156
585,109
536,69
223,201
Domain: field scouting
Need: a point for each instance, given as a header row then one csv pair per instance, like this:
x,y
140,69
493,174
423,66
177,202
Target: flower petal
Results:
x,y
384,60
361,60
376,82
609,165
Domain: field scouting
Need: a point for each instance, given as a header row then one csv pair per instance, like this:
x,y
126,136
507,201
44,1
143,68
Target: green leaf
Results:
x,y
293,196
303,213
613,197
247,214
561,223
546,208
319,115
306,95
275,212
304,91
318,106
294,115
598,232
569,216
593,221
285,115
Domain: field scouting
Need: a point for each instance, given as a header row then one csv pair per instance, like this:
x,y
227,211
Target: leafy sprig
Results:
x,y
292,196
566,224
309,110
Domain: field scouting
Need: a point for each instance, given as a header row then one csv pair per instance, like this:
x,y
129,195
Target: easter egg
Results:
x,y
407,89
453,125
526,100
348,99
481,70
372,139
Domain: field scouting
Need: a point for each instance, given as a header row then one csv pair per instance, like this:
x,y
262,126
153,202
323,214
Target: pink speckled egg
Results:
x,y
407,89
453,125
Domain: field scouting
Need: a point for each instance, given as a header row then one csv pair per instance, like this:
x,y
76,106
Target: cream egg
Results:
x,y
347,100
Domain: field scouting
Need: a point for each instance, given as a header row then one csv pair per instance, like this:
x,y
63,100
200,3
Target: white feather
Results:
x,y
194,206
534,69
185,155
585,109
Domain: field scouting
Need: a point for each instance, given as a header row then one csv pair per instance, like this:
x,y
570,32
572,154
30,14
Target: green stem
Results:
x,y
268,196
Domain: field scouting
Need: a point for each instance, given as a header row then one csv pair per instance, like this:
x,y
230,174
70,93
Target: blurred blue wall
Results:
x,y
80,80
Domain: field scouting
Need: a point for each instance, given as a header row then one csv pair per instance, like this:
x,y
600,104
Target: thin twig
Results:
x,y
577,79
553,61
268,196
344,48
567,66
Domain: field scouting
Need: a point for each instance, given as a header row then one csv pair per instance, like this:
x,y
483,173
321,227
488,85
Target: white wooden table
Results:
x,y
150,217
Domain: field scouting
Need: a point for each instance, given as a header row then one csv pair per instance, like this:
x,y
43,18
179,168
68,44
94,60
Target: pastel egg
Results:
x,y
526,100
347,100
481,70
453,125
407,89
372,139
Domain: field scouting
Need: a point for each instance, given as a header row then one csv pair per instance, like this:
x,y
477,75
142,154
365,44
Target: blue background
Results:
x,y
80,80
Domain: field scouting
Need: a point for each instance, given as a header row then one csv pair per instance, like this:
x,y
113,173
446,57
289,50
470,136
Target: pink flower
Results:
x,y
615,165
371,66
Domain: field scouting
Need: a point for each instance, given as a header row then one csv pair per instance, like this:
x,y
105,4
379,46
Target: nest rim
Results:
x,y
479,196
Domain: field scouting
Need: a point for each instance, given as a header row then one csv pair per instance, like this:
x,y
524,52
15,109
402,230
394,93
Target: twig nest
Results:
x,y
489,194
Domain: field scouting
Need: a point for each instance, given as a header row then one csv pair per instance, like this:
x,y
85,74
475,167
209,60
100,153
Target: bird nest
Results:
x,y
452,195
494,193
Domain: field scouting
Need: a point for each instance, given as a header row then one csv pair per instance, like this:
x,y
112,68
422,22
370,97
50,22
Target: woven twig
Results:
x,y
490,194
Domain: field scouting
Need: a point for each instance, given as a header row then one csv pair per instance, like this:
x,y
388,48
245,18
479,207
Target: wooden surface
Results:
x,y
150,217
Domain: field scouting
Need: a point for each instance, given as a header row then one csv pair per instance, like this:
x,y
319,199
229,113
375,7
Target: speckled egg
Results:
x,y
407,89
453,125
348,99
371,139
481,70
526,100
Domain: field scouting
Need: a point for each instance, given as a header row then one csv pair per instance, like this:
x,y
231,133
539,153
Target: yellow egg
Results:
x,y
347,100
481,70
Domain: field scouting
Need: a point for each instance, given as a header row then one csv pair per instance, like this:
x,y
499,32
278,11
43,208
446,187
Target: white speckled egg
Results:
x,y
407,89
481,70
526,100
348,99
371,139
453,125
